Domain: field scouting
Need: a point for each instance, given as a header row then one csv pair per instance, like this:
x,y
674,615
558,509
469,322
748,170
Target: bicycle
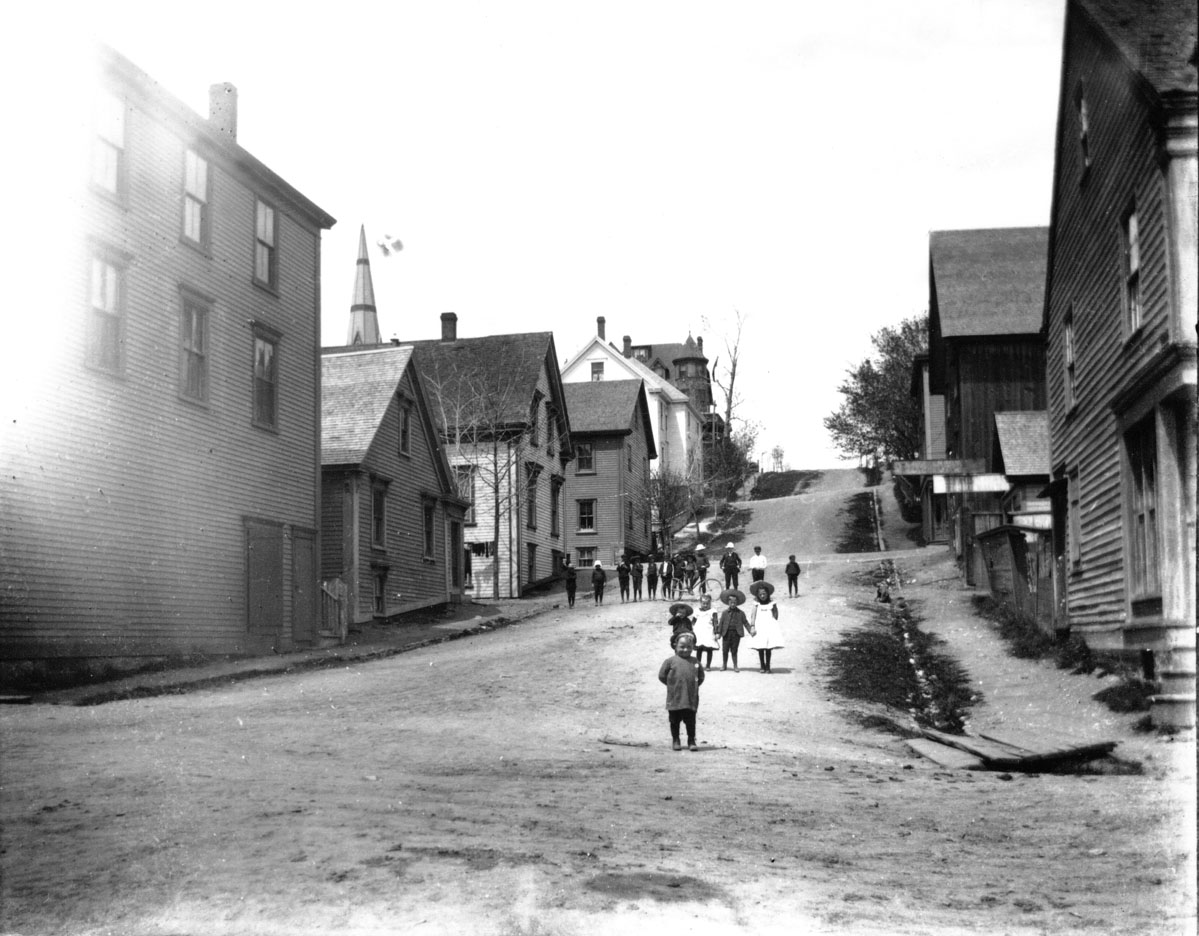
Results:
x,y
712,586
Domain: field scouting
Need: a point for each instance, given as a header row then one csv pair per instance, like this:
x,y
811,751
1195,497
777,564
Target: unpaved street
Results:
x,y
522,782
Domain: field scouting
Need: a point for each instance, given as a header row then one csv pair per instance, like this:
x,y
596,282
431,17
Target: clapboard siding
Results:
x,y
125,506
1117,372
999,376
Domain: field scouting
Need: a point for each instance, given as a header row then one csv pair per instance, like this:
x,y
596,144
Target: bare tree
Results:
x,y
477,428
730,448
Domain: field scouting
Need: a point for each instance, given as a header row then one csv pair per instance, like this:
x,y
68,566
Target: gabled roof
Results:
x,y
989,281
489,381
1157,37
356,389
608,407
635,369
1022,441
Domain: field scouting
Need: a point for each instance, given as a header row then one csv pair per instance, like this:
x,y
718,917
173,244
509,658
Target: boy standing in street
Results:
x,y
682,677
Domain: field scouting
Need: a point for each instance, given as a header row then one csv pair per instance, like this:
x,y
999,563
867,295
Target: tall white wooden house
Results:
x,y
1120,326
500,408
161,469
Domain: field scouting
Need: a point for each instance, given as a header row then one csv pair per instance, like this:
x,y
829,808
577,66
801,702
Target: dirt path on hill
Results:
x,y
521,782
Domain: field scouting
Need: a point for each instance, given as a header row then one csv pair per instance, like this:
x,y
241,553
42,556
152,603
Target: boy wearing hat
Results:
x,y
730,565
682,677
731,627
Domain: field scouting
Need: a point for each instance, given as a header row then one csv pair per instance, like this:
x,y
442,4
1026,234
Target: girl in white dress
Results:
x,y
765,634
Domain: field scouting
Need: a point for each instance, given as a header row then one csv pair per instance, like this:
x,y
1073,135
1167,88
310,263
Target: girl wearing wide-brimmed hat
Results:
x,y
764,618
732,626
681,622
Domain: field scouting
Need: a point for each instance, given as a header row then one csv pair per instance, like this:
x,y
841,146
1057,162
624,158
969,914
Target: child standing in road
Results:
x,y
638,572
682,677
651,578
767,636
706,639
792,571
598,578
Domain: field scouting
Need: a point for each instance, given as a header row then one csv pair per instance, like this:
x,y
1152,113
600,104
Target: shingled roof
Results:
x,y
1157,37
989,281
602,406
356,389
1023,442
487,379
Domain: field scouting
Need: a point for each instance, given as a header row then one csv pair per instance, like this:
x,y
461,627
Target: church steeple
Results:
x,y
364,317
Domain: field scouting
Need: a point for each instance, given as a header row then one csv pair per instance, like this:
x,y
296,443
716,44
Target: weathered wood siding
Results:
x,y
1086,279
993,376
125,503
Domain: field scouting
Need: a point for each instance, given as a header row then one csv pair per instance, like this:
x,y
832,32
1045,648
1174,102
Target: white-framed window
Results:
x,y
586,515
379,597
108,147
193,347
465,475
584,457
586,556
107,292
597,370
531,474
555,499
195,198
266,259
429,526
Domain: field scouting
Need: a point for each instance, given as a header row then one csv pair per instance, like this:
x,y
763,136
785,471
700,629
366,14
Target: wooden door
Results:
x,y
264,578
305,608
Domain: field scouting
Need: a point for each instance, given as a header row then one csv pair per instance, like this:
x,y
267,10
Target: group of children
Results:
x,y
682,675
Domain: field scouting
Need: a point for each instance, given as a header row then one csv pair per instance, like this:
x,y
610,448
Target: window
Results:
x,y
379,603
534,418
641,354
107,315
629,456
1074,531
265,380
1068,359
586,516
597,370
586,556
1132,271
555,498
429,525
266,266
379,515
193,349
1084,129
465,475
405,428
628,515
551,430
531,473
1142,463
195,198
584,457
532,551
108,153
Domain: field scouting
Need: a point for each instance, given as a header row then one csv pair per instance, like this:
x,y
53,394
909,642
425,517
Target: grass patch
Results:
x,y
783,484
859,535
728,527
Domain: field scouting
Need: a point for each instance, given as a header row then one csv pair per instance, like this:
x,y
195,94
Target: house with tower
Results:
x,y
678,390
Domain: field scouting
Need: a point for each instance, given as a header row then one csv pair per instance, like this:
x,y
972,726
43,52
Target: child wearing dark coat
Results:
x,y
682,677
792,571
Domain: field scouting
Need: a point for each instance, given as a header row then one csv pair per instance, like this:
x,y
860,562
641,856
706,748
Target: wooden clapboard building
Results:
x,y
607,493
1120,325
986,290
391,515
161,471
499,404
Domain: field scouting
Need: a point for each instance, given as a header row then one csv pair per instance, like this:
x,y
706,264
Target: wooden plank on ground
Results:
x,y
990,751
944,755
996,753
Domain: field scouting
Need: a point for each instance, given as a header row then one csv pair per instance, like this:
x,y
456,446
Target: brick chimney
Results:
x,y
449,326
222,108
599,327
628,346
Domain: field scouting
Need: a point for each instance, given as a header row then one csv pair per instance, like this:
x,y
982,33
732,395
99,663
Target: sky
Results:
x,y
671,166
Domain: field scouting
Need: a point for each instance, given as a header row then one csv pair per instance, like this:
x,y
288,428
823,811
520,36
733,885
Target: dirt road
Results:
x,y
522,782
